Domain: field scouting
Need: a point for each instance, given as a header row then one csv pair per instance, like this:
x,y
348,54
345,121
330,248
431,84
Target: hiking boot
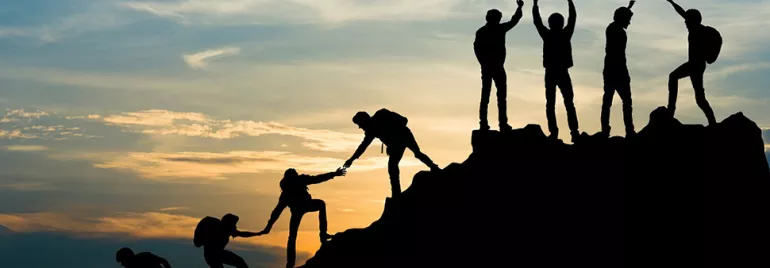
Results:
x,y
505,127
575,137
325,237
484,127
435,168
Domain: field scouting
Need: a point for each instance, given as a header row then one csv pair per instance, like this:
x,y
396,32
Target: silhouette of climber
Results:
x,y
391,128
616,76
489,48
295,195
695,66
214,249
127,258
557,59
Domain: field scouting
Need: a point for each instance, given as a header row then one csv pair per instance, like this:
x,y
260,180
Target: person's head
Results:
x,y
230,220
623,16
556,21
124,256
494,16
362,120
692,18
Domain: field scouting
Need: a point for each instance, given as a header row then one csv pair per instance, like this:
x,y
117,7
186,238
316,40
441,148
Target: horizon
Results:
x,y
125,122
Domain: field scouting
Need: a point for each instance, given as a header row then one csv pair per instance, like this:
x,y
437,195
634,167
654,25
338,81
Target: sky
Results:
x,y
122,123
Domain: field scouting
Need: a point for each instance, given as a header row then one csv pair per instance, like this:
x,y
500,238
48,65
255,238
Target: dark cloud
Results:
x,y
43,250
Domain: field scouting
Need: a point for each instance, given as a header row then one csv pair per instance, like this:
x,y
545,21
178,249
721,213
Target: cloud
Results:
x,y
173,209
27,186
200,60
23,125
26,148
162,122
206,165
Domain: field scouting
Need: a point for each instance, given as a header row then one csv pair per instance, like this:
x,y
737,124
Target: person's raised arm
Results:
x,y
275,215
361,149
516,17
678,8
324,177
572,18
537,20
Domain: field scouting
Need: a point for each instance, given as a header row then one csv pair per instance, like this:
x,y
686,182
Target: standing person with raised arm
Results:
x,y
616,76
557,60
490,51
704,44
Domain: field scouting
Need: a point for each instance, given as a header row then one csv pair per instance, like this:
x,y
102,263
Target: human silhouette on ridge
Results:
x,y
391,128
616,76
295,195
127,259
557,59
704,45
214,235
490,51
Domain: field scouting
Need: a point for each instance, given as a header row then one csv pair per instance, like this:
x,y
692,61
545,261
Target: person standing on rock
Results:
x,y
295,195
391,128
704,44
616,76
489,48
557,60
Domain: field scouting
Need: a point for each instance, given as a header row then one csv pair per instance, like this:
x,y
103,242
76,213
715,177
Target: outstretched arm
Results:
x,y
538,21
572,18
516,17
238,233
678,8
361,149
275,215
324,177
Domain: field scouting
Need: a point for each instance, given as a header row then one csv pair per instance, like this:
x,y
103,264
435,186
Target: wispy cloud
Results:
x,y
26,148
200,60
27,186
173,209
163,122
206,165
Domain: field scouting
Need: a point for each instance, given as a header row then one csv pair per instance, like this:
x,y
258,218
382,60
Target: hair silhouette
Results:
x,y
557,60
391,128
127,258
616,76
489,47
703,47
295,195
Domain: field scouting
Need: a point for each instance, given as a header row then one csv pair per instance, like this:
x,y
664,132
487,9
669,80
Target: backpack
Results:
x,y
204,230
712,44
390,119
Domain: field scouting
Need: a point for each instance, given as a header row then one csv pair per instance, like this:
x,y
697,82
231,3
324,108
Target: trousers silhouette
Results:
x,y
617,81
559,78
493,72
396,152
296,217
695,72
217,259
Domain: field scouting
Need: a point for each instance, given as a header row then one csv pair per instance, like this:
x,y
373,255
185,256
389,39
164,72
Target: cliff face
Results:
x,y
674,196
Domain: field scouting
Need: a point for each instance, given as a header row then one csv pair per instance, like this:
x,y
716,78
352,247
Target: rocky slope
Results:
x,y
674,196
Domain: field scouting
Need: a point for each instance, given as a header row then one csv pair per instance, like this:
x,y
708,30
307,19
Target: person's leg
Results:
x,y
486,88
673,85
624,91
700,94
609,93
501,83
565,84
232,259
320,206
550,102
395,153
411,143
213,258
291,247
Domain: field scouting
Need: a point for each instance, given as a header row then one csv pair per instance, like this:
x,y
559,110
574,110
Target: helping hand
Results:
x,y
341,172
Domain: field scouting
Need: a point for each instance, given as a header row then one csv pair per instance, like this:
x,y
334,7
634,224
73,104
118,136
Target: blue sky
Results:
x,y
133,119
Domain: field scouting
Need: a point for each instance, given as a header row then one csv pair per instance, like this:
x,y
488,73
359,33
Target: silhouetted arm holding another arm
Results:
x,y
361,149
572,20
516,17
275,215
324,177
245,234
538,21
678,8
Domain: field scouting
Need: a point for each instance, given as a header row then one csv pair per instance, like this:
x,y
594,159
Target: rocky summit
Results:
x,y
674,195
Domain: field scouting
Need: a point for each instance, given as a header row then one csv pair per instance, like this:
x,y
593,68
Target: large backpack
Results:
x,y
390,119
712,44
203,232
